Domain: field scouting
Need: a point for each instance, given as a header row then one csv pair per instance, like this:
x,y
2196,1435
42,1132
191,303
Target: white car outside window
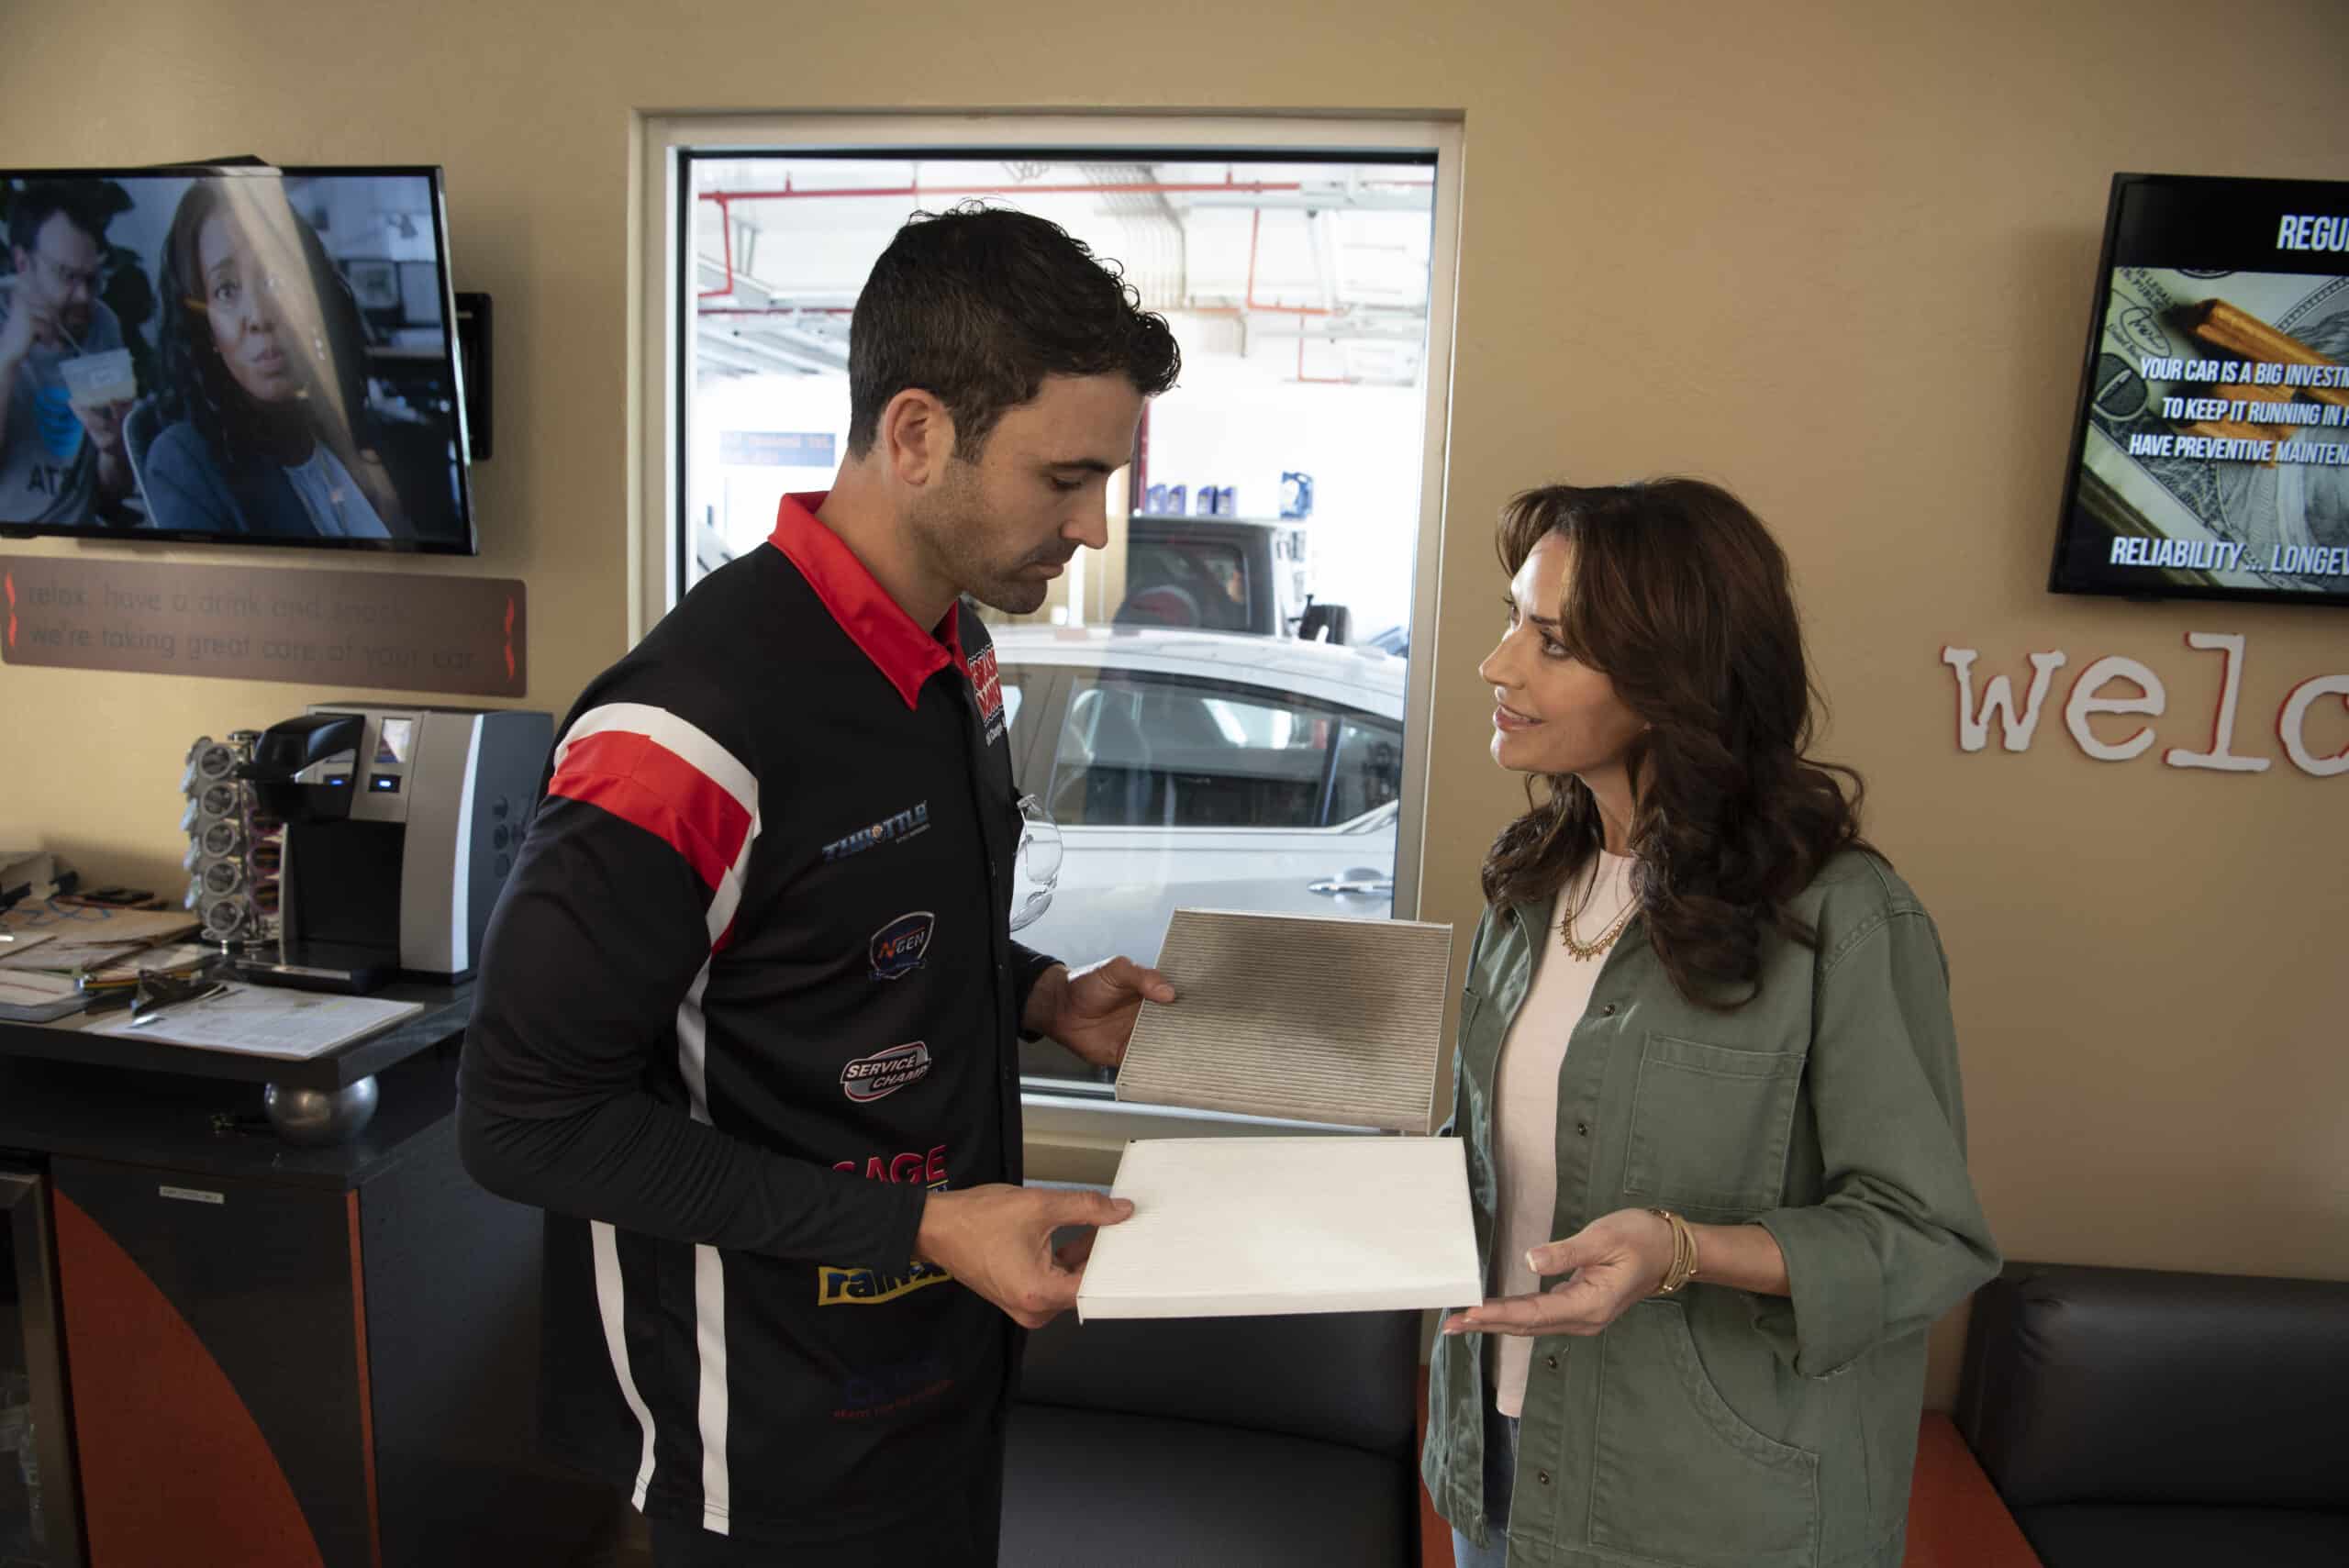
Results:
x,y
1203,770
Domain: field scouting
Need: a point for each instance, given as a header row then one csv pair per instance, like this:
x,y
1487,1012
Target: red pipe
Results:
x,y
1256,228
1144,187
1149,187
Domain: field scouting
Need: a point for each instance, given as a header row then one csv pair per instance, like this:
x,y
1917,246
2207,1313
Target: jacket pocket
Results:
x,y
1471,1004
1709,1126
1679,1477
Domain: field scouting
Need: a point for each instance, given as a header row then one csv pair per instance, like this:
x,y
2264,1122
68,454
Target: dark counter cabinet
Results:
x,y
263,1356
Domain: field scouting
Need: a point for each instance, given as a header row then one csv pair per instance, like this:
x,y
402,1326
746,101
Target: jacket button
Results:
x,y
1543,1476
1550,1362
1582,1129
1607,1011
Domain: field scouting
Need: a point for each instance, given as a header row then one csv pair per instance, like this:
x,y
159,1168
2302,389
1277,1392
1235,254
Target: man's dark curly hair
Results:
x,y
977,306
88,204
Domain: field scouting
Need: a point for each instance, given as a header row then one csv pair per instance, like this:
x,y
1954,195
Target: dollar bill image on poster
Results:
x,y
2274,513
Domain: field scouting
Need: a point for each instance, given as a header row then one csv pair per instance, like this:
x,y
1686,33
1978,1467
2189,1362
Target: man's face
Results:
x,y
59,277
1001,528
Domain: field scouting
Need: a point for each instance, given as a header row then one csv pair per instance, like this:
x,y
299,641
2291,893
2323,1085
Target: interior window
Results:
x,y
1187,582
1142,751
1306,270
1369,771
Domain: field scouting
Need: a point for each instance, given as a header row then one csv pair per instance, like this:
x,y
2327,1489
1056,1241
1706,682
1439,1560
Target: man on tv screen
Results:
x,y
62,456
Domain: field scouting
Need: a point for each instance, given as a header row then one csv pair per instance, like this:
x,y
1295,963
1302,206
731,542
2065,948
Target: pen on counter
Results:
x,y
147,1012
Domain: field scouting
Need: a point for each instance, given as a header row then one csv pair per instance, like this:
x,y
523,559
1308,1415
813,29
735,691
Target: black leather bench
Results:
x,y
2160,1420
1226,1442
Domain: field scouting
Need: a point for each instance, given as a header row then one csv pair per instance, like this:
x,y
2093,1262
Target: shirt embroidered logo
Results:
x,y
886,1071
888,830
863,1288
837,1287
899,947
988,684
885,1390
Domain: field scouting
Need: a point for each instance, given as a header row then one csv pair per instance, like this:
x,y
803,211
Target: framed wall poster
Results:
x,y
374,283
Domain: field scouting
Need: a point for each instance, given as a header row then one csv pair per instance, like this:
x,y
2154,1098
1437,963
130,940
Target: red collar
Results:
x,y
898,646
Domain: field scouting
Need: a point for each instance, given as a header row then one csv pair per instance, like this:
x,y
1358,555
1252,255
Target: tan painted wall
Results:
x,y
1836,256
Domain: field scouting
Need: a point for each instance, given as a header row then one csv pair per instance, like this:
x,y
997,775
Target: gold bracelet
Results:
x,y
1684,1253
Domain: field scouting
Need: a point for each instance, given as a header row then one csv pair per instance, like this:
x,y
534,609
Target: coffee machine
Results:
x,y
401,825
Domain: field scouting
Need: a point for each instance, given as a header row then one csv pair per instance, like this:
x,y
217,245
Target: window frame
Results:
x,y
659,339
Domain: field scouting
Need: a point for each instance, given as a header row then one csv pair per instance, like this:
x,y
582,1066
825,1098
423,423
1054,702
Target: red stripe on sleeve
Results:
x,y
642,782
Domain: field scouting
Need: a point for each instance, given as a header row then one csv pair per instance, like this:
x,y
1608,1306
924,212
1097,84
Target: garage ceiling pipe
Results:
x,y
725,199
1125,188
1255,230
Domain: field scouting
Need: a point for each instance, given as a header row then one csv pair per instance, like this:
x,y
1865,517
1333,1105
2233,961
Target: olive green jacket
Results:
x,y
1718,1428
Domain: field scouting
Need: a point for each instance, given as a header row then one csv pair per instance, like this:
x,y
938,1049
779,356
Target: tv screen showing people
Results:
x,y
247,355
2211,455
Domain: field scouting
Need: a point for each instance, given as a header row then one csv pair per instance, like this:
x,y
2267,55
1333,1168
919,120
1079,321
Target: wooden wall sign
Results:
x,y
400,630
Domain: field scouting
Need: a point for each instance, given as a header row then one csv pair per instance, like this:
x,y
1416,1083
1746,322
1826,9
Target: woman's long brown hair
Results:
x,y
1679,596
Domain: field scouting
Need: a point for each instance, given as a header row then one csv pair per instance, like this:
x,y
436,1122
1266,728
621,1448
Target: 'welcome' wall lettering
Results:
x,y
2105,687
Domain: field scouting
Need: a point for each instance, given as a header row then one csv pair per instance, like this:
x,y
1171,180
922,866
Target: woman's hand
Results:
x,y
1613,1261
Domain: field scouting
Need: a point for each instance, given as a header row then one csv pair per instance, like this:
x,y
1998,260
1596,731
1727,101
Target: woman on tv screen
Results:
x,y
265,387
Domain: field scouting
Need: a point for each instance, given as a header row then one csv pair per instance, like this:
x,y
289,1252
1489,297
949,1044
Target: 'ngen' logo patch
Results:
x,y
899,947
885,1072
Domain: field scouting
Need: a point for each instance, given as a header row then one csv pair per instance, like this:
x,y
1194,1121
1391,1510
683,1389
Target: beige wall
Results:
x,y
1836,256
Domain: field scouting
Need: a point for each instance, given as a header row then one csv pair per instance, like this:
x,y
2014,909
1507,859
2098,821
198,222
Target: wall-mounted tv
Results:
x,y
232,355
2209,455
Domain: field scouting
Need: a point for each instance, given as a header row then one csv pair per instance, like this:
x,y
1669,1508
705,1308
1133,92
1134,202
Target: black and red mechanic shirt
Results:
x,y
748,996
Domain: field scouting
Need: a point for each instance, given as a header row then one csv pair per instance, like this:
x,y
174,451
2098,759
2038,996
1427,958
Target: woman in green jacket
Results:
x,y
1707,1076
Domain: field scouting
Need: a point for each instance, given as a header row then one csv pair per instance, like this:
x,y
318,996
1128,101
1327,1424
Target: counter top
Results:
x,y
446,1009
168,1119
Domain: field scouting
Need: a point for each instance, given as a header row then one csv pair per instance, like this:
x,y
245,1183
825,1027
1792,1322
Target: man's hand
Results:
x,y
23,327
997,1240
1615,1260
104,422
1092,1011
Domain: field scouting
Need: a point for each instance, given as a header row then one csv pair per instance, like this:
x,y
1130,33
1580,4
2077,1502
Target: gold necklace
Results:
x,y
1606,939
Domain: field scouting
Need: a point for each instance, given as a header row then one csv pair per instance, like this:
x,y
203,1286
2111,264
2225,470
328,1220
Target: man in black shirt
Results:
x,y
747,1019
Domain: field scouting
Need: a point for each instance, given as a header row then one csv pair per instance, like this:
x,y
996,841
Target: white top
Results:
x,y
1525,1106
337,506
